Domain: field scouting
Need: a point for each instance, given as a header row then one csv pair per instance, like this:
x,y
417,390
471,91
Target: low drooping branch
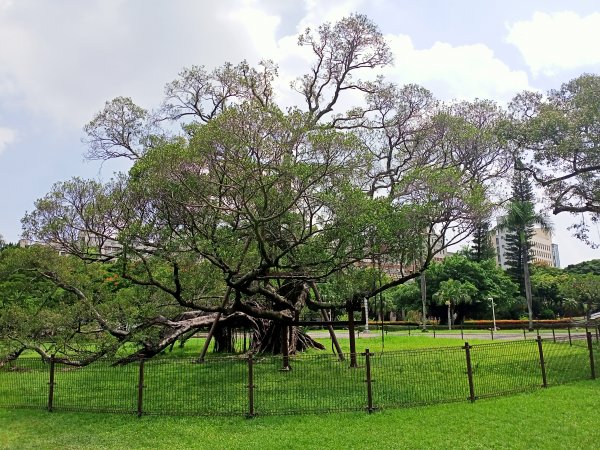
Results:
x,y
12,356
119,334
173,329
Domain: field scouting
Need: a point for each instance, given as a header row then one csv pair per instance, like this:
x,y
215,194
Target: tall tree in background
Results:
x,y
519,222
519,228
481,247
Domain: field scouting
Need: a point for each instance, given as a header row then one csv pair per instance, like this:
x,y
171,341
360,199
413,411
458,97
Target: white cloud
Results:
x,y
451,72
64,59
7,136
559,41
318,11
259,26
455,72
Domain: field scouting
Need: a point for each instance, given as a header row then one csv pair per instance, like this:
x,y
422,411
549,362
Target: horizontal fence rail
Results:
x,y
257,385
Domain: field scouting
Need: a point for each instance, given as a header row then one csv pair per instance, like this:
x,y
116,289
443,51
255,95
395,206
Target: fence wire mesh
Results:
x,y
98,387
505,367
218,386
421,376
567,360
24,384
315,383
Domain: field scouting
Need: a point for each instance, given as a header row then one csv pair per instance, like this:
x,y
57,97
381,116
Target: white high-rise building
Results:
x,y
542,249
555,256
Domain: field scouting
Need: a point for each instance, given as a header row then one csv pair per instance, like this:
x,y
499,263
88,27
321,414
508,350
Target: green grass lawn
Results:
x,y
394,342
562,417
409,372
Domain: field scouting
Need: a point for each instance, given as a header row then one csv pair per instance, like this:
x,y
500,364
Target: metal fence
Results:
x,y
571,330
316,383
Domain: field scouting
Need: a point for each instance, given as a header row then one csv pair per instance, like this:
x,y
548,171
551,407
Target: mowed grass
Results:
x,y
562,417
409,372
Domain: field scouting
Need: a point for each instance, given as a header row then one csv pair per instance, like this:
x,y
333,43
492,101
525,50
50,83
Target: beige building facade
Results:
x,y
543,250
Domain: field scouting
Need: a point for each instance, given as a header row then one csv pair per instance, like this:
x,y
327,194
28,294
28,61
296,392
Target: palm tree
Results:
x,y
453,292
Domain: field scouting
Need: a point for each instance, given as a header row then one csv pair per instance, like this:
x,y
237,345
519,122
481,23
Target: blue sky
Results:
x,y
61,60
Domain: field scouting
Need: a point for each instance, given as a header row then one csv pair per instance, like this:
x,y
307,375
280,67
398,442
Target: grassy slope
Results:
x,y
560,417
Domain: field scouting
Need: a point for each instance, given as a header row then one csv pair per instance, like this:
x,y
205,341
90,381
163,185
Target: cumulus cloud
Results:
x,y
318,12
558,41
451,72
259,26
63,59
7,136
455,72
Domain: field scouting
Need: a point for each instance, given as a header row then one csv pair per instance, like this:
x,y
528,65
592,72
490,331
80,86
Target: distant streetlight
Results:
x,y
448,303
493,312
366,305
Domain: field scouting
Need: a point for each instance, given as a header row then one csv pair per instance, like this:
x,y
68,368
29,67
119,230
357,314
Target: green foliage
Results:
x,y
592,266
481,248
486,277
561,133
583,289
546,285
519,223
565,292
406,295
454,292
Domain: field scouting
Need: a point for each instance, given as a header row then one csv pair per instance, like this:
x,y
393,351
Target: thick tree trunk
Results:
x,y
224,340
266,338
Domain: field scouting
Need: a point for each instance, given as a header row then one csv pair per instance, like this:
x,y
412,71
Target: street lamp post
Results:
x,y
448,303
493,312
366,305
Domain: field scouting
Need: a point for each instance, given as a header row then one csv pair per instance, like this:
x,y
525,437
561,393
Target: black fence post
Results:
x,y
433,331
352,338
140,396
51,385
369,381
492,332
467,348
553,335
591,350
569,331
542,362
250,386
285,349
524,335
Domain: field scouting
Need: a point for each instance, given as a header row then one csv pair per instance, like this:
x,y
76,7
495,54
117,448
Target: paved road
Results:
x,y
483,335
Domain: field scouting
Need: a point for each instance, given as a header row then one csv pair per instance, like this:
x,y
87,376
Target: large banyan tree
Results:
x,y
240,218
